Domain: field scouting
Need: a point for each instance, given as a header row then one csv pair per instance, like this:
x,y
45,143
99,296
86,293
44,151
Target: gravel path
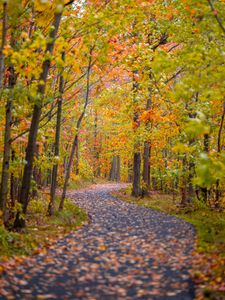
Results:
x,y
126,252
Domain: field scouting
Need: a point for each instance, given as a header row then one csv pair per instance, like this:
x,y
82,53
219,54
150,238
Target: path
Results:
x,y
126,252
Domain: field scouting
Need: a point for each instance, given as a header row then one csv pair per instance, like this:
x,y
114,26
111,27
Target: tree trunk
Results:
x,y
13,189
136,188
118,168
206,150
217,202
4,32
112,174
6,158
97,169
136,191
190,188
36,174
6,154
68,171
51,206
146,168
27,174
7,144
75,141
77,157
146,154
184,183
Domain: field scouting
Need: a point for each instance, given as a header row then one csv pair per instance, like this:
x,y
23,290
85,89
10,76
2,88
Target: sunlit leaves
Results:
x,y
209,169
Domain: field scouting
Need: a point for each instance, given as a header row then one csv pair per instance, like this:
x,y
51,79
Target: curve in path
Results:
x,y
126,252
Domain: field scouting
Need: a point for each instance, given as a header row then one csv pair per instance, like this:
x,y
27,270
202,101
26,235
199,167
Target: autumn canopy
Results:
x,y
126,90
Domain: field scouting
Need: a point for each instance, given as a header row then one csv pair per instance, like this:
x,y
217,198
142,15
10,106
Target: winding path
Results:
x,y
126,252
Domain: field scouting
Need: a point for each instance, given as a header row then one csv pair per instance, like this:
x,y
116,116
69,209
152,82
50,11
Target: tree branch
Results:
x,y
215,13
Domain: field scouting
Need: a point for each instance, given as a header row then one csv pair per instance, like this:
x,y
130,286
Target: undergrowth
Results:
x,y
41,230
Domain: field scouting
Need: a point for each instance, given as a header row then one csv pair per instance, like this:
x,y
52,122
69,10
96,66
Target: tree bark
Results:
x,y
6,154
51,206
4,32
7,144
146,167
136,187
147,150
118,168
13,185
136,191
97,169
184,182
217,202
32,137
77,158
112,174
206,150
75,141
6,159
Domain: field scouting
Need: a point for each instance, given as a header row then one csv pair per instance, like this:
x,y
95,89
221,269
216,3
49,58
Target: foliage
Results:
x,y
118,78
41,231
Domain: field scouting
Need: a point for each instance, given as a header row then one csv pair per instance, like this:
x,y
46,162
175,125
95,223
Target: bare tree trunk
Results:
x,y
7,144
190,188
51,206
136,187
4,32
6,158
27,174
217,202
97,170
118,168
146,167
37,176
68,171
77,157
206,150
6,154
184,182
13,188
136,191
146,154
112,174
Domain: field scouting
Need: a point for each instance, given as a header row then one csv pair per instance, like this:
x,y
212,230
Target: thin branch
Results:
x,y
68,3
220,129
215,13
174,76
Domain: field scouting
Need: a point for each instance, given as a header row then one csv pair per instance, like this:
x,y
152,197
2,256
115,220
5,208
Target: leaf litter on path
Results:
x,y
126,252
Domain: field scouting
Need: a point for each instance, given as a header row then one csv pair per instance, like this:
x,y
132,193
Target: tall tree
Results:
x,y
27,173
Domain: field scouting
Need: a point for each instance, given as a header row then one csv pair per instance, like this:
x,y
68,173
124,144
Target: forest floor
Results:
x,y
125,252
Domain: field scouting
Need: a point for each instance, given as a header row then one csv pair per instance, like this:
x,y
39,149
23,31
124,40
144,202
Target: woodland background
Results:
x,y
123,90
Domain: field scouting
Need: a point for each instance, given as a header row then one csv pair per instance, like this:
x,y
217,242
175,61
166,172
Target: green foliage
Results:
x,y
37,206
71,216
41,230
12,243
209,169
85,170
197,127
6,238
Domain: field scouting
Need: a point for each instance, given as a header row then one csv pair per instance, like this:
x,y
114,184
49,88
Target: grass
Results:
x,y
41,230
209,258
79,182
